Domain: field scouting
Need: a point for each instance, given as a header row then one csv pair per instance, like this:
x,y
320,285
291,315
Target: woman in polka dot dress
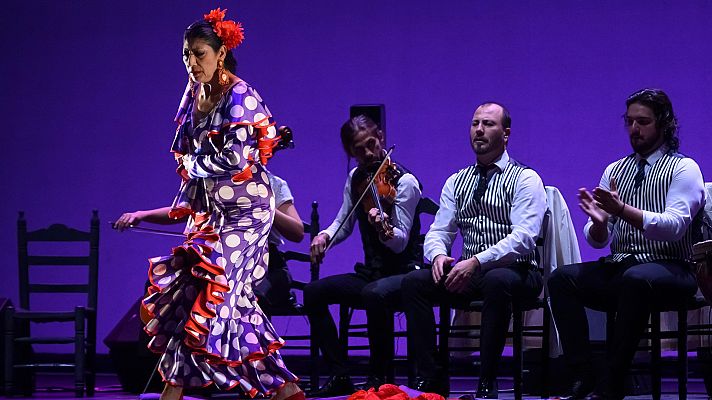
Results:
x,y
201,310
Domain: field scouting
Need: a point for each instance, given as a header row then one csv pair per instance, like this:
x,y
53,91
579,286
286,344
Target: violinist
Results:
x,y
390,249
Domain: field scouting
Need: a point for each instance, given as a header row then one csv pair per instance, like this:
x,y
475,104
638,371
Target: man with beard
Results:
x,y
498,205
375,283
644,207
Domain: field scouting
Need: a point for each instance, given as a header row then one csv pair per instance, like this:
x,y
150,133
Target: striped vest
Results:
x,y
486,222
650,196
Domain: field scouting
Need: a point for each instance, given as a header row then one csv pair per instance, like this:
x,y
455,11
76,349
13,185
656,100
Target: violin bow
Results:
x,y
363,194
151,231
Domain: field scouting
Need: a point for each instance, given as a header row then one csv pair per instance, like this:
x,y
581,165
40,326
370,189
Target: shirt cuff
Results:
x,y
648,219
430,256
484,257
594,243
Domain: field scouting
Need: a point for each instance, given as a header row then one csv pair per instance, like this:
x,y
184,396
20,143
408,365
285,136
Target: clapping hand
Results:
x,y
608,200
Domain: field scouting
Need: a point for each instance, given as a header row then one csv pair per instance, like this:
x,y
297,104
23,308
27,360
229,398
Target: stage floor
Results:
x,y
51,387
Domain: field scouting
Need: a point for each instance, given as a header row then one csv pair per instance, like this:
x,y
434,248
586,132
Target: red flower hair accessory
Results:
x,y
230,32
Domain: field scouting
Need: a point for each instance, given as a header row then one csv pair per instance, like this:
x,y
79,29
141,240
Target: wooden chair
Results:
x,y
82,316
348,330
519,330
655,335
296,309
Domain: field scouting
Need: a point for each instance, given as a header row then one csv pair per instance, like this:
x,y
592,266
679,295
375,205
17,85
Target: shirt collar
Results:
x,y
654,157
501,162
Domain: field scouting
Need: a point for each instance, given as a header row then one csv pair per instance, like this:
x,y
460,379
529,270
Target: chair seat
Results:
x,y
293,255
523,305
286,311
46,340
692,303
45,316
46,365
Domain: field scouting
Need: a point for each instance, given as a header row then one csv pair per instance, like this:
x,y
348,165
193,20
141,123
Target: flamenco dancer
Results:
x,y
202,312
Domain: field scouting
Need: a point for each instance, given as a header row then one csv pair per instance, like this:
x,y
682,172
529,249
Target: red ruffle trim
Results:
x,y
196,253
391,392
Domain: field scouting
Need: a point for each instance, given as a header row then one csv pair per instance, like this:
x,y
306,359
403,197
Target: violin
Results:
x,y
387,184
379,180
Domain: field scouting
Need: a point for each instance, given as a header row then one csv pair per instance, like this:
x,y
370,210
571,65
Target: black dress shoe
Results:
x,y
335,386
579,390
487,389
373,381
429,385
603,396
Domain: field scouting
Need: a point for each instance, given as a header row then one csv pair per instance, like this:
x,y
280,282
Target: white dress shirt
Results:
x,y
684,199
282,195
408,195
528,208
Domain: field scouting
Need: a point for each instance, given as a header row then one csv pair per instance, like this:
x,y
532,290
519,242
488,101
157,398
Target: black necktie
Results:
x,y
641,173
483,170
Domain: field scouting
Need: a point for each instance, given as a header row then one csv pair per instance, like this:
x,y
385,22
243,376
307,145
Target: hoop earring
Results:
x,y
223,78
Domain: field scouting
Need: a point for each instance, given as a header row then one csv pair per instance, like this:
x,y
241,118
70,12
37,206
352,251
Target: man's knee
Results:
x,y
635,279
415,281
560,279
556,280
499,281
312,292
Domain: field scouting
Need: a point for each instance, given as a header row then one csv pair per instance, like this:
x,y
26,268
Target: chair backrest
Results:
x,y
707,213
425,206
428,206
58,233
313,228
541,239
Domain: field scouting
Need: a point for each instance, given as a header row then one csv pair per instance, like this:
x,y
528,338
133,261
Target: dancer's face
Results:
x,y
201,61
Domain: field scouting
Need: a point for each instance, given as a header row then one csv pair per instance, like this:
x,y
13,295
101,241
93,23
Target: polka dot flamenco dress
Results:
x,y
200,308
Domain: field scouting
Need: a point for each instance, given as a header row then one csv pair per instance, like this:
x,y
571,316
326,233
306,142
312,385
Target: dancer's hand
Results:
x,y
128,220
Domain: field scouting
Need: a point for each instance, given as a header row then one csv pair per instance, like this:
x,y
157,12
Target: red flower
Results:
x,y
215,15
230,32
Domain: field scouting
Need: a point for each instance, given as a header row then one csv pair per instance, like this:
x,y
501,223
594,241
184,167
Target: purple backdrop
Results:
x,y
91,89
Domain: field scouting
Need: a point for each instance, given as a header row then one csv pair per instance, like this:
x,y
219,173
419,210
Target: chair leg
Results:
x,y
313,360
610,328
545,350
91,353
517,350
79,350
8,360
345,314
682,353
655,358
444,340
391,373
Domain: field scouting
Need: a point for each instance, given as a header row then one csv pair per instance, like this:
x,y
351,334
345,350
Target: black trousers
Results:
x,y
630,289
380,298
497,288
